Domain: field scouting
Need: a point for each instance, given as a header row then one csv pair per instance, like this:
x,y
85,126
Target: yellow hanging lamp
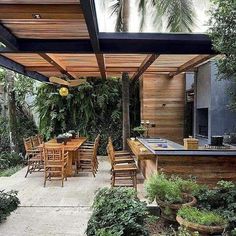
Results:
x,y
63,91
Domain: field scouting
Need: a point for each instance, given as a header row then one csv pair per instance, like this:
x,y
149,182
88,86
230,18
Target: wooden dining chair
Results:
x,y
55,163
123,173
87,158
35,141
34,156
40,138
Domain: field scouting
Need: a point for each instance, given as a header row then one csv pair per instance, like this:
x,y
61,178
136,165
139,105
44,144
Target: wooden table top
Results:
x,y
72,145
139,150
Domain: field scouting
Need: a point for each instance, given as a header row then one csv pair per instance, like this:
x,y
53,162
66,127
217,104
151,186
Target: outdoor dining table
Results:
x,y
72,148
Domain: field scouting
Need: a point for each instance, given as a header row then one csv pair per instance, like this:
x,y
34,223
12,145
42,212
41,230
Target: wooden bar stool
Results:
x,y
123,173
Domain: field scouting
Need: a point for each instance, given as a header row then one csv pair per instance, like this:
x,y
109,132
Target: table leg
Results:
x,y
69,165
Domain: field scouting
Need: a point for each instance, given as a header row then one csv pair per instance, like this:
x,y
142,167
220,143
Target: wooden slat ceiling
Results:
x,y
57,21
82,65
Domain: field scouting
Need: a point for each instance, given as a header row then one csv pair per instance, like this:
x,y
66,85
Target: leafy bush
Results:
x,y
8,203
91,108
203,217
221,199
4,135
169,189
117,211
10,171
9,159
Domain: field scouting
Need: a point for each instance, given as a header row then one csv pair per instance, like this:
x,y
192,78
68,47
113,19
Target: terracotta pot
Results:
x,y
169,211
202,229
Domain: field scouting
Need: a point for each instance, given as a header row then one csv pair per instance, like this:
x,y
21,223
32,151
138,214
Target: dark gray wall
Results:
x,y
213,94
223,120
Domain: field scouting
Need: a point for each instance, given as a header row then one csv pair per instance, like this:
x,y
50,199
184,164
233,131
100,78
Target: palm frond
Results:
x,y
179,14
116,9
142,11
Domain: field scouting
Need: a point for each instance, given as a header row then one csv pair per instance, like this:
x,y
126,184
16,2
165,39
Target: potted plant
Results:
x,y
171,193
140,130
61,138
73,133
203,221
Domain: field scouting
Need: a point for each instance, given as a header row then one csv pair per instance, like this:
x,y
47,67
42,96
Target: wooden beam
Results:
x,y
144,66
8,39
12,65
89,10
46,11
57,64
190,64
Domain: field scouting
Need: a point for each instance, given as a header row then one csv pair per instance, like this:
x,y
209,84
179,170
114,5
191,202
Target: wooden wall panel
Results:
x,y
162,103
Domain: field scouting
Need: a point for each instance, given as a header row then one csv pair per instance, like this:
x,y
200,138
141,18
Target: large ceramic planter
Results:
x,y
169,211
202,229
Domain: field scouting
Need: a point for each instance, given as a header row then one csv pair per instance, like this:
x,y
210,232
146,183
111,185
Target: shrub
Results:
x,y
117,211
4,135
221,199
168,189
9,159
8,203
202,217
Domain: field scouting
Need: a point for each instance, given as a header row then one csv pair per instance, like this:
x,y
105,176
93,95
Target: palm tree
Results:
x,y
179,16
175,15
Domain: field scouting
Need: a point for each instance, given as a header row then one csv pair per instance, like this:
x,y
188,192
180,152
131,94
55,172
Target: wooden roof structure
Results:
x,y
55,38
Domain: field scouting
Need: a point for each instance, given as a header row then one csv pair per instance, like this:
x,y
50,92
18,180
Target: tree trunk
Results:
x,y
125,14
125,106
11,97
125,80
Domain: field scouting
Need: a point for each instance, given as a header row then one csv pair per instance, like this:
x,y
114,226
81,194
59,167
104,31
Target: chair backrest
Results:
x,y
35,141
110,151
28,144
96,145
54,154
40,138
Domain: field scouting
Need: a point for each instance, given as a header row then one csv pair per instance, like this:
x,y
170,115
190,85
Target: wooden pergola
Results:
x,y
44,38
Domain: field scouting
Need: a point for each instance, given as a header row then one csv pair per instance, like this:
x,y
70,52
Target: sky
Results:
x,y
107,22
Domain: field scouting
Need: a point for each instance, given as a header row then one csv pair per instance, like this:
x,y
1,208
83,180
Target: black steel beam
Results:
x,y
158,43
12,65
8,39
55,46
145,43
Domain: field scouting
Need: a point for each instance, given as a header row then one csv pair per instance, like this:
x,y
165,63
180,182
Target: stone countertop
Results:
x,y
175,149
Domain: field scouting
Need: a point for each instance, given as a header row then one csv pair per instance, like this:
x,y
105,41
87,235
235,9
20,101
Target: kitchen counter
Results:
x,y
207,166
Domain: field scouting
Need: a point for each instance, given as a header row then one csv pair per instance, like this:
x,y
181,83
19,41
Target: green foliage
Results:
x,y
222,33
4,134
8,203
169,189
23,87
117,211
175,15
221,199
9,159
10,171
140,129
92,108
202,217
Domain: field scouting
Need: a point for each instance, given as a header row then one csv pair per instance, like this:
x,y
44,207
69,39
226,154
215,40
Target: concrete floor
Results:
x,y
52,210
